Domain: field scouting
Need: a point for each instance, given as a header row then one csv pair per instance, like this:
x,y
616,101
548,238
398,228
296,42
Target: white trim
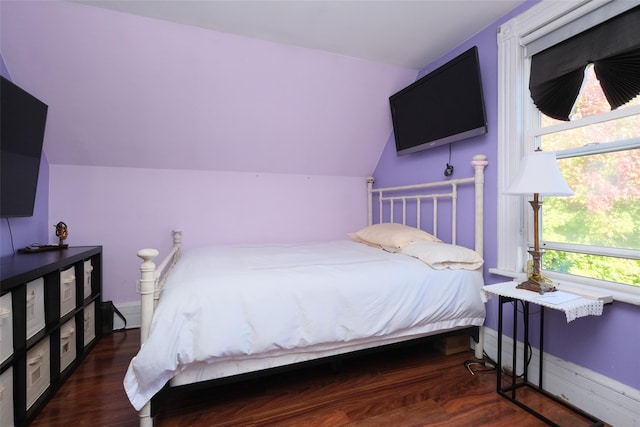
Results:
x,y
131,312
508,273
613,402
590,13
595,119
587,287
510,137
591,250
599,148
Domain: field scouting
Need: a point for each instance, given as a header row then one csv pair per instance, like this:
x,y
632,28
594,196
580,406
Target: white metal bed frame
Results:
x,y
152,277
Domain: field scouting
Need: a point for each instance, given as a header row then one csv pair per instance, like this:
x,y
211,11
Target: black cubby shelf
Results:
x,y
49,321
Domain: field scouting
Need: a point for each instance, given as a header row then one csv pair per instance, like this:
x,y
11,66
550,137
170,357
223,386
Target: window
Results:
x,y
596,233
592,239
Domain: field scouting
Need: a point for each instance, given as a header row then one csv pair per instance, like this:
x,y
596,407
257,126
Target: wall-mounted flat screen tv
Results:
x,y
444,106
22,123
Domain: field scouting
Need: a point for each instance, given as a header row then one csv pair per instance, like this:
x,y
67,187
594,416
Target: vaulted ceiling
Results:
x,y
265,86
409,34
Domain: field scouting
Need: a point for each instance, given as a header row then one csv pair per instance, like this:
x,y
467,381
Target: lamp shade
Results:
x,y
539,173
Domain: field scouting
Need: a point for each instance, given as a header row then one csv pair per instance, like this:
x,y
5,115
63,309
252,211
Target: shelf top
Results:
x,y
20,268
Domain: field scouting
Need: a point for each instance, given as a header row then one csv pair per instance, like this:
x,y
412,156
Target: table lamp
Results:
x,y
538,175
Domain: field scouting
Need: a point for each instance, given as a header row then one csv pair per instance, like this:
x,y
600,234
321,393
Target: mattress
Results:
x,y
236,308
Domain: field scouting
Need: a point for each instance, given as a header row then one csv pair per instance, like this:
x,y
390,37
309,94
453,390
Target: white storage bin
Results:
x,y
67,344
89,323
88,268
35,307
67,291
6,398
38,371
6,327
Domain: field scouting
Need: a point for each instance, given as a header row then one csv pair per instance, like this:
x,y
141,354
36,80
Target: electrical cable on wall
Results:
x,y
13,249
448,171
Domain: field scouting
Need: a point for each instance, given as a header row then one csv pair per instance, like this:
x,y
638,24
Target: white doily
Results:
x,y
574,306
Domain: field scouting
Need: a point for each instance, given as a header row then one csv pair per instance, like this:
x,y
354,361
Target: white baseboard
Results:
x,y
613,402
131,312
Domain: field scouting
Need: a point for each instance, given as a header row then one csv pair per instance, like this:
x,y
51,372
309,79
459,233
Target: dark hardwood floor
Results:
x,y
414,386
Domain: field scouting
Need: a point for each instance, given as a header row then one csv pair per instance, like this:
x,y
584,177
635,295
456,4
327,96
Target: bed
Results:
x,y
223,312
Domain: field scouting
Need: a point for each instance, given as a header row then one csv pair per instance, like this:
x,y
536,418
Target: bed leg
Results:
x,y
145,416
479,349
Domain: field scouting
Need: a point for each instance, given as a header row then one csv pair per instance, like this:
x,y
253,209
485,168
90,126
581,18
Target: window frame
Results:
x,y
516,113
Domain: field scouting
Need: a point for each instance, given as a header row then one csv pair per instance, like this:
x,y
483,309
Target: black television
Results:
x,y
444,106
22,123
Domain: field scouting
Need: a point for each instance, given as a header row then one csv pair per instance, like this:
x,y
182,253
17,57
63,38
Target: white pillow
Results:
x,y
440,255
391,236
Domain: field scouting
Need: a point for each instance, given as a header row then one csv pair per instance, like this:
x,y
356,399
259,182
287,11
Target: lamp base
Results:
x,y
541,288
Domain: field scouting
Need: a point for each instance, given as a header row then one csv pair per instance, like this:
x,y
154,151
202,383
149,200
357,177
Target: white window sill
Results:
x,y
602,292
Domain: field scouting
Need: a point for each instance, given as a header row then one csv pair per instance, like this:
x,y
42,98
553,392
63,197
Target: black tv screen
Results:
x,y
444,106
22,122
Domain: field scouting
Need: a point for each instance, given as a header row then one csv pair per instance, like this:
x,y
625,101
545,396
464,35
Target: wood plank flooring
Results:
x,y
414,386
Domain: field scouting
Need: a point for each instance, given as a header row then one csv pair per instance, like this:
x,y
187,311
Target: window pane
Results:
x,y
605,210
611,269
614,130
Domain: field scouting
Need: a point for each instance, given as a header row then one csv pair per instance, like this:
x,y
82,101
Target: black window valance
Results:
x,y
613,47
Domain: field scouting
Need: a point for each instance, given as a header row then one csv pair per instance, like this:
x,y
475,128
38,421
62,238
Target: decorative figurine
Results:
x,y
62,232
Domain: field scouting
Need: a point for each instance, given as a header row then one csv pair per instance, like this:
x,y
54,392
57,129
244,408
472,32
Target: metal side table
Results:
x,y
572,305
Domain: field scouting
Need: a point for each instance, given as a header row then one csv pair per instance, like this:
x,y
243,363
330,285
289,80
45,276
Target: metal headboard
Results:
x,y
432,192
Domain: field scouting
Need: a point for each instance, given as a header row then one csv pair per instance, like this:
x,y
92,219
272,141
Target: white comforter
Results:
x,y
237,302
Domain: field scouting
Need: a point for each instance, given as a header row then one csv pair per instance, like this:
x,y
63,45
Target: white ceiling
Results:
x,y
410,34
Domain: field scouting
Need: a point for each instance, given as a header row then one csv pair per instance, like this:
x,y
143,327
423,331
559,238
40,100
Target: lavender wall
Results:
x,y
153,122
127,209
26,231
129,91
608,344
